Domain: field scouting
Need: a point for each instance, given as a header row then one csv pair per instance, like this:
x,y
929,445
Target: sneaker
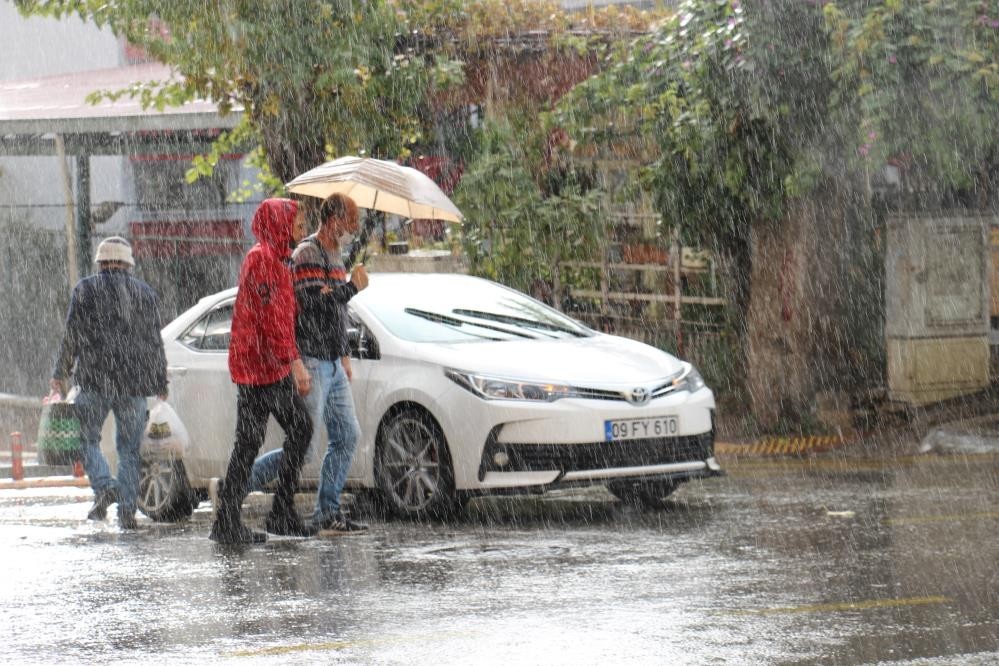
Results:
x,y
214,488
126,520
289,525
340,523
235,535
102,500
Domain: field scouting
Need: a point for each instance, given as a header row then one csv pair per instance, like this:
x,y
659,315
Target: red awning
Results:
x,y
187,238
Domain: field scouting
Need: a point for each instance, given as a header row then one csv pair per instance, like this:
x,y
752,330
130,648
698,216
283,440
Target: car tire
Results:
x,y
413,467
164,492
650,495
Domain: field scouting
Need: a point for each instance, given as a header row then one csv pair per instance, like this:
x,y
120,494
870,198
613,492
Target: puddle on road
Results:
x,y
490,551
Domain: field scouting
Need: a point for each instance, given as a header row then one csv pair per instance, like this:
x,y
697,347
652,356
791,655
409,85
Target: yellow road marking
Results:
x,y
344,644
919,520
845,606
853,464
777,446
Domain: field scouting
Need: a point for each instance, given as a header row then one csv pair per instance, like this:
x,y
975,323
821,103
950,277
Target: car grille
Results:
x,y
657,391
597,455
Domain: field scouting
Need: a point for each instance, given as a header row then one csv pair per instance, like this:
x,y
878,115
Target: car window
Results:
x,y
218,331
212,331
473,310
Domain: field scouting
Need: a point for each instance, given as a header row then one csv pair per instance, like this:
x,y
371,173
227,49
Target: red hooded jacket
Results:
x,y
263,320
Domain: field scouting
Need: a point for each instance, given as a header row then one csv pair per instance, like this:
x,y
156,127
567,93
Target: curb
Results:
x,y
46,482
33,471
783,446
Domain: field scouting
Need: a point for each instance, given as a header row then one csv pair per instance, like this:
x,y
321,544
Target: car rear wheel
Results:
x,y
414,468
164,493
651,495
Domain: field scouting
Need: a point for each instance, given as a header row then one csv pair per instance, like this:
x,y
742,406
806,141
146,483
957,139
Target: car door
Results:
x,y
202,392
363,357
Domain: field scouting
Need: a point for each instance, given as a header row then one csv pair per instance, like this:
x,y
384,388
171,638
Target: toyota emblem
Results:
x,y
638,396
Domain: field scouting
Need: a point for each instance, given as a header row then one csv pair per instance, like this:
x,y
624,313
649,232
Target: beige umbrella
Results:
x,y
379,185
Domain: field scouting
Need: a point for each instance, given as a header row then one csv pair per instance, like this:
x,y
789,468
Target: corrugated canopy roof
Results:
x,y
57,105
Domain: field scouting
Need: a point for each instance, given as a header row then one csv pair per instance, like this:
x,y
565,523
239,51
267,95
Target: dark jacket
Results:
x,y
263,320
113,337
321,327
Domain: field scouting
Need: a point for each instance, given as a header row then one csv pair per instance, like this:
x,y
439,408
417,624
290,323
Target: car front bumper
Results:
x,y
529,447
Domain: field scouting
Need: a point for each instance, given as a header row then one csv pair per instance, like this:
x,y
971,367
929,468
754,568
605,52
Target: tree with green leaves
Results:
x,y
518,228
314,79
769,119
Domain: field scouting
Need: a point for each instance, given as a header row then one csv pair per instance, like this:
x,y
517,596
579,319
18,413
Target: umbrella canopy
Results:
x,y
379,185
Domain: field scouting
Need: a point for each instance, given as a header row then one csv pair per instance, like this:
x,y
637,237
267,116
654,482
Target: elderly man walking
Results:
x,y
112,346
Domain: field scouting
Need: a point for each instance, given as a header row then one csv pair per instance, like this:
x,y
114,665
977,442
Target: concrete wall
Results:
x,y
35,47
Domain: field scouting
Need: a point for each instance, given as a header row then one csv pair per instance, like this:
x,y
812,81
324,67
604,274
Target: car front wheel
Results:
x,y
164,493
414,469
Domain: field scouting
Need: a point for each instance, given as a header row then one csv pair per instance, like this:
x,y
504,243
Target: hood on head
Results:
x,y
273,223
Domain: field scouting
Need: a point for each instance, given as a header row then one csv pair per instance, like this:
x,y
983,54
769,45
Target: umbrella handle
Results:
x,y
360,244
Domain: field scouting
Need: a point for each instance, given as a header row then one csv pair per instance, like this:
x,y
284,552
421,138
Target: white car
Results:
x,y
462,387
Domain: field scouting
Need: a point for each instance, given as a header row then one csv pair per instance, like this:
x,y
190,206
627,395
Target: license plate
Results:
x,y
617,430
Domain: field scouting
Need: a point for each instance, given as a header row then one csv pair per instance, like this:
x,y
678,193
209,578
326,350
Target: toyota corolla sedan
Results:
x,y
462,387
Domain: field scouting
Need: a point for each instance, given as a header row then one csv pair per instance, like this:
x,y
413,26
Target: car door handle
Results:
x,y
176,370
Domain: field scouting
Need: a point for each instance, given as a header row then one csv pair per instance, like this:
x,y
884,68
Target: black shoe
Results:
x,y
126,520
235,534
289,524
340,523
102,500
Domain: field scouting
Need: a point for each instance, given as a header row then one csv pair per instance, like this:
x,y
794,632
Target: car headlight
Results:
x,y
502,388
689,381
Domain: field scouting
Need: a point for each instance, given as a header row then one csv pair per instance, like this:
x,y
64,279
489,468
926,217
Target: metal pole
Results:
x,y
677,295
83,209
67,183
16,462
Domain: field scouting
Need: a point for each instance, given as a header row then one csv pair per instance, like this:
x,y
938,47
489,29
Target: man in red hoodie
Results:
x,y
269,375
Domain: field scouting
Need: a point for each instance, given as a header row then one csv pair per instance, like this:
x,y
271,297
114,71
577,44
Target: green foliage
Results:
x,y
925,79
730,98
313,77
513,232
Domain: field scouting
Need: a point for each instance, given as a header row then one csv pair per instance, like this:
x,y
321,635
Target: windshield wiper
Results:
x,y
519,321
448,320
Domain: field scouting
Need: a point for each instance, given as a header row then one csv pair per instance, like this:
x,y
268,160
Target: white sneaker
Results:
x,y
213,494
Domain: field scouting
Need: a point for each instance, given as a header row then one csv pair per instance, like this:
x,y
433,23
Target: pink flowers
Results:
x,y
865,149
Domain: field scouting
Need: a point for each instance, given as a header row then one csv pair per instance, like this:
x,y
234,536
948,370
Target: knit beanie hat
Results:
x,y
114,248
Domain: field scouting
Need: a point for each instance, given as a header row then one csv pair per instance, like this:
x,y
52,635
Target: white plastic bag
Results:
x,y
165,434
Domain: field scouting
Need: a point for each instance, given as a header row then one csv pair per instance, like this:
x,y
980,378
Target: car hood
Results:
x,y
600,360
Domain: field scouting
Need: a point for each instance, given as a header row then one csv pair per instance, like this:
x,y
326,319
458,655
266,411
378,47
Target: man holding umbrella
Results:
x,y
322,290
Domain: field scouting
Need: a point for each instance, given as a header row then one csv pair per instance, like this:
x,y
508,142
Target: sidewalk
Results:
x,y
36,475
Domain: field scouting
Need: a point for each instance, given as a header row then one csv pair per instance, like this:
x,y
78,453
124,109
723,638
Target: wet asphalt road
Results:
x,y
827,561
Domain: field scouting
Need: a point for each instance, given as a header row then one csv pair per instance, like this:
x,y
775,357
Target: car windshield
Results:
x,y
466,310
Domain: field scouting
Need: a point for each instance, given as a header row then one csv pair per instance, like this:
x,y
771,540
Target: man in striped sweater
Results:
x,y
322,289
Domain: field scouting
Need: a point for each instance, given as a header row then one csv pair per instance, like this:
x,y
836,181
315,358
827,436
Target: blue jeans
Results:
x,y
331,402
130,416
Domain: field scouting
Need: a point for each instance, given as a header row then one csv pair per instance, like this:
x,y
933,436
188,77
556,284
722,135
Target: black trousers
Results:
x,y
254,404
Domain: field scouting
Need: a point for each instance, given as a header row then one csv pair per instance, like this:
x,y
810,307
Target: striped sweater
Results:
x,y
321,325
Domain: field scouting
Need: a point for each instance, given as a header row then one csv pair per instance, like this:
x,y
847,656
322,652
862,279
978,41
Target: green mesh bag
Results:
x,y
58,434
